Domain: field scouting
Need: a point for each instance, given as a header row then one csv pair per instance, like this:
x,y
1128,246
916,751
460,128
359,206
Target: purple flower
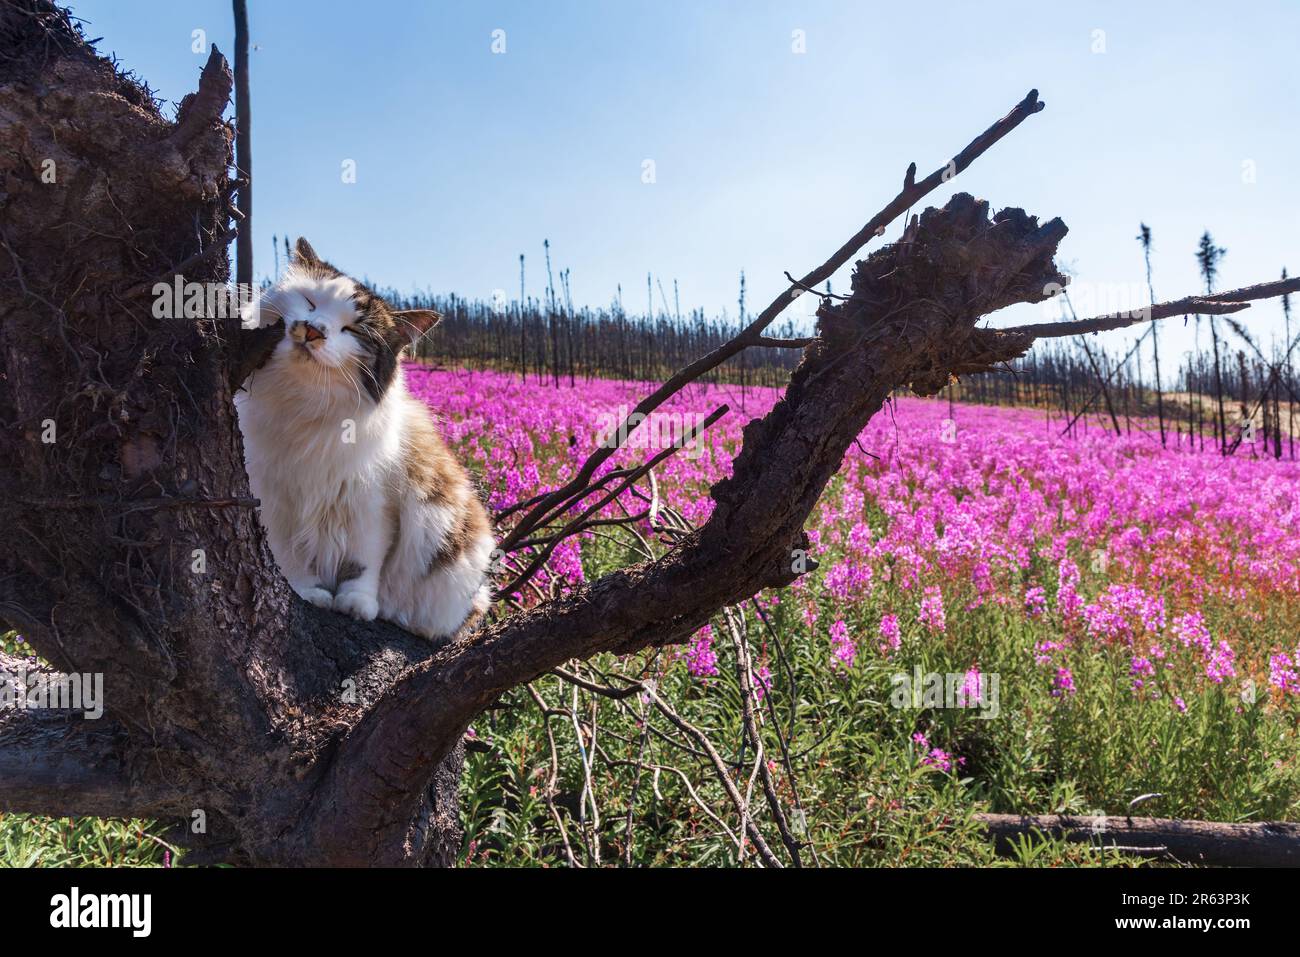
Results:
x,y
1218,663
701,660
1063,683
936,757
890,636
1035,602
1141,668
1284,672
843,650
932,610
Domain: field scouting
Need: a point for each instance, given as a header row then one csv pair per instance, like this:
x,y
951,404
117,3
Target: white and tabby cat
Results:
x,y
366,510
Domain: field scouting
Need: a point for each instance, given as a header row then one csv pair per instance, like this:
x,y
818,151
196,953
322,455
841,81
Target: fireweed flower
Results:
x,y
1218,663
848,580
860,538
935,757
1190,630
1123,612
1043,651
932,610
982,579
1068,602
843,650
1035,602
1141,669
701,660
1284,672
1063,683
890,636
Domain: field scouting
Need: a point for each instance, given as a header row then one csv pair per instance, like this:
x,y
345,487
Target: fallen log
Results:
x,y
1268,844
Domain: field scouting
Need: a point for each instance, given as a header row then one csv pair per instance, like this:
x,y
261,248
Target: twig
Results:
x,y
745,674
1217,304
911,193
574,526
764,852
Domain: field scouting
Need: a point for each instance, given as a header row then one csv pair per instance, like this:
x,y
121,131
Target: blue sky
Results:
x,y
1181,115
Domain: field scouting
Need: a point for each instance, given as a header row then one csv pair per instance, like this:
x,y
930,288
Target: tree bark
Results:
x,y
1188,842
225,693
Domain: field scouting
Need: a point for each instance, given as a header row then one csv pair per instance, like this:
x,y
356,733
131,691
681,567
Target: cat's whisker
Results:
x,y
355,385
370,373
320,386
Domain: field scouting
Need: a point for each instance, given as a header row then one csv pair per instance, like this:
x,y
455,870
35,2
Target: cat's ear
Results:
x,y
414,323
304,254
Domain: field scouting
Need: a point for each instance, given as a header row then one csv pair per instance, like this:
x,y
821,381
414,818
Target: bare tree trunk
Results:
x,y
243,148
1218,389
1189,842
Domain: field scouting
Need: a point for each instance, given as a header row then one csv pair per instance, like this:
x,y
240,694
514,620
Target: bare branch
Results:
x,y
1217,304
912,193
576,525
65,765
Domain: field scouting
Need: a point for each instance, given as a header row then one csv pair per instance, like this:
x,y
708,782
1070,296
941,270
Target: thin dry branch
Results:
x,y
911,193
577,524
1218,304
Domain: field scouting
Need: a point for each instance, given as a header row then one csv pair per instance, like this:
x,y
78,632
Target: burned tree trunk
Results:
x,y
293,735
1203,843
133,545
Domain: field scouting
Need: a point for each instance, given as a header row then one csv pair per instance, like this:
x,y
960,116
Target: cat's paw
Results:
x,y
320,597
358,604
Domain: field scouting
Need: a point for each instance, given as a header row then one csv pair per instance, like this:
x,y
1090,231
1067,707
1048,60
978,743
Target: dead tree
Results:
x,y
133,548
1203,843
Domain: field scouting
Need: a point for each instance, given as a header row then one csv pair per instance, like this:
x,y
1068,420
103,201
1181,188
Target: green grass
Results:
x,y
79,842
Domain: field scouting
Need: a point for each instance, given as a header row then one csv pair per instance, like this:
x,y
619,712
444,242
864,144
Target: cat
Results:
x,y
365,509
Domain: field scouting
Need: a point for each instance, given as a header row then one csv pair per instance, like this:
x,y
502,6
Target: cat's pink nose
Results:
x,y
307,332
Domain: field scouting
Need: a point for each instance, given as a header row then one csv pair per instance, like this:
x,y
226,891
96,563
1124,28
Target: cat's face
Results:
x,y
338,334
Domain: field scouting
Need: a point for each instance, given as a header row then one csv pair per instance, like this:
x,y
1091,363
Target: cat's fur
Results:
x,y
366,511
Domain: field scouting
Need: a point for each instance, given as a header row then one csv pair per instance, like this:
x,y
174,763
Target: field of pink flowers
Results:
x,y
1141,606
990,505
